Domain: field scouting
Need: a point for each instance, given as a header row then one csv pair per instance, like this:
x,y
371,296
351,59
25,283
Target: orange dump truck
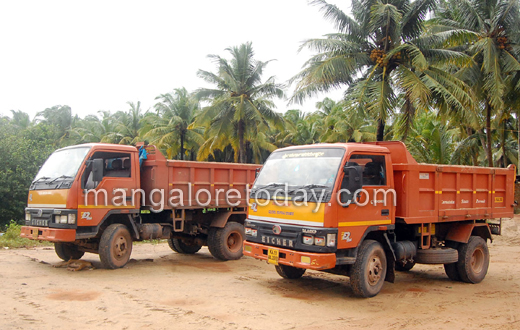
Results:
x,y
365,210
100,198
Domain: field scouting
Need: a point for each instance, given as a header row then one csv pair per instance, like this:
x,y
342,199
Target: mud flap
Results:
x,y
390,260
390,268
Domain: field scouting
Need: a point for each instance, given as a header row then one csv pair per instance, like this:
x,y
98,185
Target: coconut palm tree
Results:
x,y
239,100
381,55
489,31
94,128
175,112
128,125
430,140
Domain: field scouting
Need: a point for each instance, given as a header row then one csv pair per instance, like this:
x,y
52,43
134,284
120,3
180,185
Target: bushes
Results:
x,y
12,239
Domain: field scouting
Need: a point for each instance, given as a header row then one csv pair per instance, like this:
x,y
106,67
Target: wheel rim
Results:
x,y
120,247
477,260
234,242
375,269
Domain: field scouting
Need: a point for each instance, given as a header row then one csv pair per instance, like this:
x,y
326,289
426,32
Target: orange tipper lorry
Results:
x,y
100,198
365,210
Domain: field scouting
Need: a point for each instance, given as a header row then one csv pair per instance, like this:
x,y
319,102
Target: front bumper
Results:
x,y
48,234
318,261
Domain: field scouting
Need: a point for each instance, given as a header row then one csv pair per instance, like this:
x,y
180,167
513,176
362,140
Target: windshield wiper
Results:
x,y
313,185
269,185
60,177
40,179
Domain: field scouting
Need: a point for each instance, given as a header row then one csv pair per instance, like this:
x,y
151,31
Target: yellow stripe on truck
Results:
x,y
48,198
365,223
306,215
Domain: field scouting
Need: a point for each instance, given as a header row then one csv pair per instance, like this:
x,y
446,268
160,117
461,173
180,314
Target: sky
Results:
x,y
99,55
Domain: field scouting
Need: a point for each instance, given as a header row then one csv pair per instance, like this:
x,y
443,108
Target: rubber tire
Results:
x,y
289,272
370,253
219,240
115,233
179,246
436,256
67,251
171,245
408,266
466,270
452,271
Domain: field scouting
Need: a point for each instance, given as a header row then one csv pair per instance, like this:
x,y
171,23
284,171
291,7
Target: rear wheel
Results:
x,y
179,246
226,243
289,272
115,246
369,271
172,246
67,251
452,271
473,261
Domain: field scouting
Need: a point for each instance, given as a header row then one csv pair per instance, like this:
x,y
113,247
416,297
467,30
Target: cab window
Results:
x,y
116,165
374,169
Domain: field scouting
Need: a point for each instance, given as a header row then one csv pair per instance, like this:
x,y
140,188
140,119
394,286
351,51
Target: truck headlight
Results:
x,y
251,232
71,218
309,240
320,241
331,240
27,216
63,218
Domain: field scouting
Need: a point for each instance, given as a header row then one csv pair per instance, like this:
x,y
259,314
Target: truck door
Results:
x,y
114,192
369,208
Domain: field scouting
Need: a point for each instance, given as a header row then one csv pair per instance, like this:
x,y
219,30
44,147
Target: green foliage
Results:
x,y
23,152
12,239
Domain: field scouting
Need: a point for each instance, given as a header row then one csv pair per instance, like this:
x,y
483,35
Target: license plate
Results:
x,y
35,234
272,256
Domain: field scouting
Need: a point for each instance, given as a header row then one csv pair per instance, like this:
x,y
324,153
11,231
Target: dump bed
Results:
x,y
191,184
438,193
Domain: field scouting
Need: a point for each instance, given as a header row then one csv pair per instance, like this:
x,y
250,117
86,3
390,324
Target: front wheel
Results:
x,y
67,251
115,246
289,272
226,243
369,271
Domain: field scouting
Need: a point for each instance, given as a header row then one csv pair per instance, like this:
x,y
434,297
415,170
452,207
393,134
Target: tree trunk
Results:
x,y
474,156
488,135
503,146
182,146
241,143
380,130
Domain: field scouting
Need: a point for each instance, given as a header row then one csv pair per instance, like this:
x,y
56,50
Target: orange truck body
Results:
x,y
160,198
431,213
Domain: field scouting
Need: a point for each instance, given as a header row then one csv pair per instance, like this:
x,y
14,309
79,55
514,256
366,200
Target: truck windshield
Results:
x,y
62,164
304,168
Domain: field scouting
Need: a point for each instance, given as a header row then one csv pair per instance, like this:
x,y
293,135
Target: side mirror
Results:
x,y
257,171
352,181
97,169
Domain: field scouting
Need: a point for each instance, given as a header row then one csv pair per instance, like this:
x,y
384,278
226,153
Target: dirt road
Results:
x,y
160,289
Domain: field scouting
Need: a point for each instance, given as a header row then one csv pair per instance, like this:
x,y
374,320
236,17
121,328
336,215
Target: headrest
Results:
x,y
372,168
117,164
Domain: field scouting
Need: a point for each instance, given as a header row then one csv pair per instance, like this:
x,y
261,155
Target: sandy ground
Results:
x,y
160,289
